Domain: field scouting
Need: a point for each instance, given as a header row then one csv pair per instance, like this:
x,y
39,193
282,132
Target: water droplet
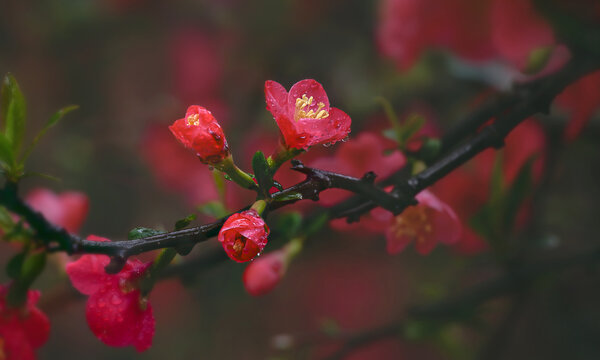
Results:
x,y
116,300
101,304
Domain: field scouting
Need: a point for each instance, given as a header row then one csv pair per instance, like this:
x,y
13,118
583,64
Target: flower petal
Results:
x,y
308,87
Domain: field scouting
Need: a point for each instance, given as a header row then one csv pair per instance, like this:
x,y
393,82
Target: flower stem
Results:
x,y
259,206
236,174
282,155
163,260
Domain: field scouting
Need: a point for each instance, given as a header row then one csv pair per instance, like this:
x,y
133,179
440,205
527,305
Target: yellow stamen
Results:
x,y
303,102
193,119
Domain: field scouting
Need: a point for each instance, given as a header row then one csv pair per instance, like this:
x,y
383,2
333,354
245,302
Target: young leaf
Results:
x,y
54,119
13,110
263,175
7,158
517,193
180,224
213,208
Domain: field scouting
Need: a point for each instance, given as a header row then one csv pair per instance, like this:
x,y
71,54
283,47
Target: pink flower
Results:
x,y
304,115
466,189
517,30
356,157
474,30
581,99
244,235
115,311
68,209
264,273
200,132
22,330
426,224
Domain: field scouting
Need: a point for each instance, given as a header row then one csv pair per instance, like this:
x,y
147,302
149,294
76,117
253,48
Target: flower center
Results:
x,y
301,106
193,119
238,244
414,222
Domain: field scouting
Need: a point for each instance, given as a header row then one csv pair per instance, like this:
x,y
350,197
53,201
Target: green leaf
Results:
x,y
180,224
7,158
262,172
409,128
288,197
142,232
482,223
6,220
390,114
14,266
220,184
289,224
12,104
517,193
54,119
213,208
538,59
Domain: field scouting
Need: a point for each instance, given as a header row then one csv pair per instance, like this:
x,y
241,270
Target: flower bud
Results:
x,y
200,132
244,235
264,273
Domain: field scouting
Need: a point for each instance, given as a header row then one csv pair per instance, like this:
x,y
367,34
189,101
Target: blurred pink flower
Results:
x,y
265,272
476,30
115,311
22,330
68,209
426,224
581,100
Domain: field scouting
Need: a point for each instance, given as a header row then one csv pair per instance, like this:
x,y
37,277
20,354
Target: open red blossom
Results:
x,y
429,222
200,132
68,209
115,311
304,115
244,235
264,273
22,330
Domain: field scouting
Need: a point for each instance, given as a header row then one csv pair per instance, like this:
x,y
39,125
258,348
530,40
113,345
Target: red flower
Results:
x,y
244,235
264,273
304,115
67,210
116,313
22,330
200,132
427,223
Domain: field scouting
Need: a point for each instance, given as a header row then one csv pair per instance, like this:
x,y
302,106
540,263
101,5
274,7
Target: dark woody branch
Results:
x,y
509,111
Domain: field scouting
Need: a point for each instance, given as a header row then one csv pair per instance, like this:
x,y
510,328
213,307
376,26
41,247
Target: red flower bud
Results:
x,y
304,115
244,235
264,273
200,132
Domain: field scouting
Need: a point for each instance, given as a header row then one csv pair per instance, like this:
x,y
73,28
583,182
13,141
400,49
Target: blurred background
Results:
x,y
133,67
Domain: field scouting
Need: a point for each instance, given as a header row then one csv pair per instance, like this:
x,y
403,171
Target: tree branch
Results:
x,y
531,98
